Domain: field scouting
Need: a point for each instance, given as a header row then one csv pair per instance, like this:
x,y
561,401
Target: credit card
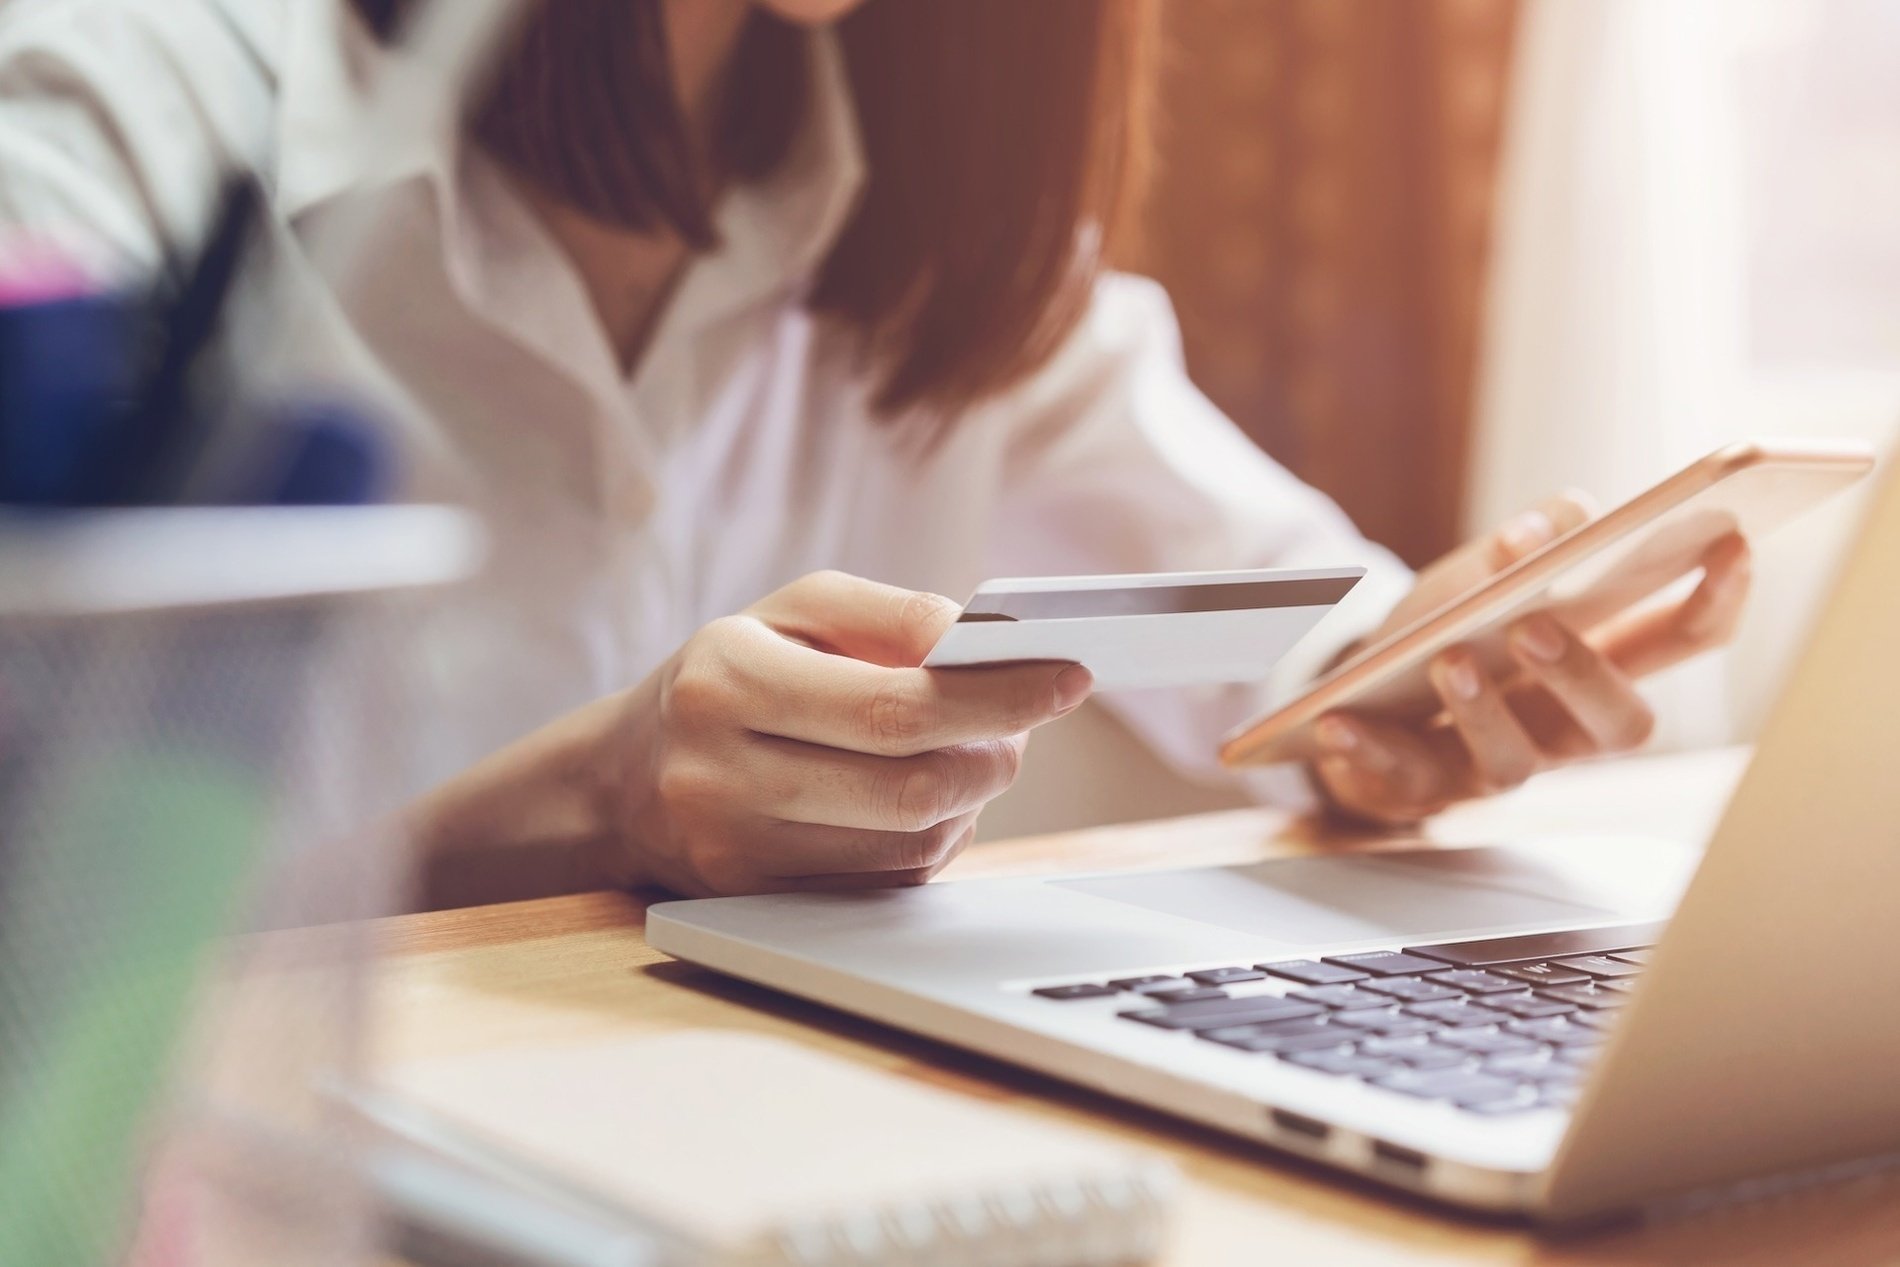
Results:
x,y
1147,630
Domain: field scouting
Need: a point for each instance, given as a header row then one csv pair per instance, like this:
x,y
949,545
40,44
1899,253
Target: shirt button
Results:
x,y
630,500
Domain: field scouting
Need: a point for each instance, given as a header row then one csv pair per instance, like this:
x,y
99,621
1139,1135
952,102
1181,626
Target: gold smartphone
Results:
x,y
1598,571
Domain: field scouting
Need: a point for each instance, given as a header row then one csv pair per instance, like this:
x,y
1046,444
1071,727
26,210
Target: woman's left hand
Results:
x,y
1576,697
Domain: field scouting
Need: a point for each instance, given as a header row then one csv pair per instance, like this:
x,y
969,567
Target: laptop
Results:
x,y
1562,1029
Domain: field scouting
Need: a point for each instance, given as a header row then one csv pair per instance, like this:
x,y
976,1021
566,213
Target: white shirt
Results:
x,y
744,453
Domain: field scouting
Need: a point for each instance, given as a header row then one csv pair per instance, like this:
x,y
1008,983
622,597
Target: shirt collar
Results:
x,y
323,116
773,232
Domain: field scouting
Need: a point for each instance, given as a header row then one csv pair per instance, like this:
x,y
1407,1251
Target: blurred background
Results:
x,y
1444,257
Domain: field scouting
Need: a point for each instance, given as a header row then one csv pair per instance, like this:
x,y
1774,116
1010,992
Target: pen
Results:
x,y
164,434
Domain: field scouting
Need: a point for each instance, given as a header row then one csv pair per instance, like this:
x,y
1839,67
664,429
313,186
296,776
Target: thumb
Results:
x,y
1481,558
865,620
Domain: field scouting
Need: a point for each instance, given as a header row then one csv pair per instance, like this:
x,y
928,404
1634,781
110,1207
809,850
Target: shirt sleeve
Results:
x,y
1119,464
117,120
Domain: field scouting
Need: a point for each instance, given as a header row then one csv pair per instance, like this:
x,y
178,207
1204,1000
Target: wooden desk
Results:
x,y
576,968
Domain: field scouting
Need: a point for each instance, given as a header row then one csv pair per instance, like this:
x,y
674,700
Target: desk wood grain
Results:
x,y
577,968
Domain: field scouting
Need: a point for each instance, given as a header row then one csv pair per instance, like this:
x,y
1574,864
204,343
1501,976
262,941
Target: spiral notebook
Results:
x,y
756,1151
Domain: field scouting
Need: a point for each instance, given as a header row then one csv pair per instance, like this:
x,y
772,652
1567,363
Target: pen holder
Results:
x,y
176,688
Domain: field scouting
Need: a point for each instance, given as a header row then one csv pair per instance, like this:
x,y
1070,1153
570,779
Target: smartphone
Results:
x,y
1635,554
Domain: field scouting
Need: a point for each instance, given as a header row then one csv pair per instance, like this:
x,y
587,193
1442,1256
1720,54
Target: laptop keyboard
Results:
x,y
1498,1026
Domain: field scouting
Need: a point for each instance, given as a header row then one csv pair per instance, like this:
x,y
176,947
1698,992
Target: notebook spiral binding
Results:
x,y
1118,1216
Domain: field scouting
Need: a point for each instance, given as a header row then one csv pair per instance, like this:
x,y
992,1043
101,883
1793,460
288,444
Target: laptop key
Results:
x,y
1344,1063
1412,989
1367,1019
1500,1108
1226,976
1559,1095
1501,950
1395,1047
1555,1029
1456,1013
1540,974
1385,963
1282,1044
1408,1025
1600,966
1485,1042
1534,1067
1216,1013
1478,981
1435,1057
1635,956
1312,972
1460,1086
1390,1023
1086,990
1291,1036
1596,1020
1533,1006
1189,994
1417,1051
1144,985
1277,1029
1591,996
1343,997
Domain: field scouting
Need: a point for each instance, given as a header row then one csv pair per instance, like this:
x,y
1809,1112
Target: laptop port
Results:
x,y
1294,1124
1394,1155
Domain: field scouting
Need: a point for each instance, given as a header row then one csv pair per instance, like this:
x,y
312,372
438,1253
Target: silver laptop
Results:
x,y
1510,1028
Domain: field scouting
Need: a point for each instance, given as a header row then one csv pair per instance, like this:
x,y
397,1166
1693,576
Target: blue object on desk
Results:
x,y
324,453
102,400
171,427
66,371
98,405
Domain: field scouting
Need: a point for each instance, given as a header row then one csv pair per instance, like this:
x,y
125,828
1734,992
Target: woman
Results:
x,y
750,325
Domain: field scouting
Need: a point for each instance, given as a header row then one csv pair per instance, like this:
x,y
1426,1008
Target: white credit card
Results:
x,y
1148,630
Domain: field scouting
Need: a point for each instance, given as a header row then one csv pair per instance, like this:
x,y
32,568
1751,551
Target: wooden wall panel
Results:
x,y
1321,215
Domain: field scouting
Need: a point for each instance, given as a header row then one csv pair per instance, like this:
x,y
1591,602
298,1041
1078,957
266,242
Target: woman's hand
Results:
x,y
793,746
1576,696
797,746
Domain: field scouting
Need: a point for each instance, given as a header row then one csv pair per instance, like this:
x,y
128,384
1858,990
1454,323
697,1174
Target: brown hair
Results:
x,y
1003,144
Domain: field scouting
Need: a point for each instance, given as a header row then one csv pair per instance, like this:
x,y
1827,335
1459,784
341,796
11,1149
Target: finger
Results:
x,y
1478,560
1658,639
795,692
1523,534
1595,694
865,620
1500,751
846,882
957,846
829,787
796,850
1379,772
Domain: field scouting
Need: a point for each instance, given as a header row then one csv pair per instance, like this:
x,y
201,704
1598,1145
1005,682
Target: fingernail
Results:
x,y
1073,685
1527,532
1374,756
1343,737
1540,639
1462,677
1337,735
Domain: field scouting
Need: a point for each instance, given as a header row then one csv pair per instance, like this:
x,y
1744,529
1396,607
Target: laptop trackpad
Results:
x,y
1317,901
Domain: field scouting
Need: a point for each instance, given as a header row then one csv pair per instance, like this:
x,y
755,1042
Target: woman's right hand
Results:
x,y
797,745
